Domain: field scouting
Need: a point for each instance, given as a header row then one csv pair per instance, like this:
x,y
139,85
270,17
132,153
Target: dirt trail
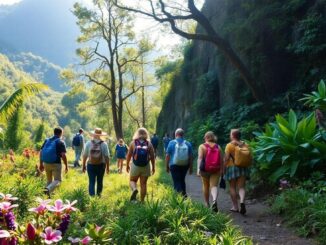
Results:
x,y
264,227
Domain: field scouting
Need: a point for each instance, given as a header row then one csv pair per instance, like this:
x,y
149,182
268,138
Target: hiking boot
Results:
x,y
214,207
243,210
134,195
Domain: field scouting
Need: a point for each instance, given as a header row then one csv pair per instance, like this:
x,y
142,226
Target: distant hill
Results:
x,y
44,27
46,105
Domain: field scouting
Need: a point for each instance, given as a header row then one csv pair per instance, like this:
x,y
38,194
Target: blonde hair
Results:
x,y
210,137
139,132
121,141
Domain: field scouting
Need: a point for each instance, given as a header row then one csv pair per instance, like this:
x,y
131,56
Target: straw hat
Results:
x,y
98,132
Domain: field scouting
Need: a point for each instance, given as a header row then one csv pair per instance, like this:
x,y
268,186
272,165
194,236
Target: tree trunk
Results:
x,y
143,105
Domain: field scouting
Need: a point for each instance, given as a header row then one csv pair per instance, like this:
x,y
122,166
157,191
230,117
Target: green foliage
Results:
x,y
317,99
14,136
304,210
39,136
16,99
290,148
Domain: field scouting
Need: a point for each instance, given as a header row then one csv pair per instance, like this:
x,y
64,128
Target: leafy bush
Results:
x,y
290,148
304,210
317,99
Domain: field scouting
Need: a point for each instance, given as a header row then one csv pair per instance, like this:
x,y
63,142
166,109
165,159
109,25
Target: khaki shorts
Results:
x,y
136,171
211,179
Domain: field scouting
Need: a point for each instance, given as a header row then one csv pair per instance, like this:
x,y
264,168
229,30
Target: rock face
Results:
x,y
282,44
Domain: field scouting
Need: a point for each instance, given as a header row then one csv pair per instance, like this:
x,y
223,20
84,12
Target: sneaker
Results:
x,y
214,207
243,210
134,195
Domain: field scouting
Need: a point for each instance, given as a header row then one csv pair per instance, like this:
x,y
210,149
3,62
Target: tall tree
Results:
x,y
175,14
111,48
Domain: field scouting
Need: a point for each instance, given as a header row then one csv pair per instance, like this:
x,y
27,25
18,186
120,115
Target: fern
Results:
x,y
8,108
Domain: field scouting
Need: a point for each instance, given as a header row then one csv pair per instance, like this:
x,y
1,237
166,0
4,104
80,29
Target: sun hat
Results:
x,y
98,132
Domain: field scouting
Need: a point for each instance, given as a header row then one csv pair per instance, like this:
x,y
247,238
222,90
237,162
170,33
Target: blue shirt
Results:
x,y
171,148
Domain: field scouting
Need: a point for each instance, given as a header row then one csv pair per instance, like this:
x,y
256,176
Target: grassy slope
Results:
x,y
164,219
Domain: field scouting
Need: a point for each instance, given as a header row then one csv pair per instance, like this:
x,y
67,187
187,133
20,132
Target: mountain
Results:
x,y
45,28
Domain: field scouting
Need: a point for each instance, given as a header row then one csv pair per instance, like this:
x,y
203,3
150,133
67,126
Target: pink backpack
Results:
x,y
212,158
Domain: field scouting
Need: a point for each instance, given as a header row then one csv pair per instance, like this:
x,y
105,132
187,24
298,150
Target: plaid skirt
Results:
x,y
234,172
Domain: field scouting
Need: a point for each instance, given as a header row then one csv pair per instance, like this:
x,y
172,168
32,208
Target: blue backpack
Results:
x,y
49,151
141,155
76,141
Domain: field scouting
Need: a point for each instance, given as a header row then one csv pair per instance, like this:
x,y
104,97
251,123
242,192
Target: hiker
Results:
x,y
179,160
121,150
166,141
78,146
210,165
141,151
155,142
53,151
237,160
97,157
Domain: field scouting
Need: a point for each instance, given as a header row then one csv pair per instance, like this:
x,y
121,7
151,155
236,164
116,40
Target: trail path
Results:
x,y
264,227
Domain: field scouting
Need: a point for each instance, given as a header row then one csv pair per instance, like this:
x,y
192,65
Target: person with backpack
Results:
x,y
179,161
121,150
238,158
166,141
97,157
155,143
141,151
210,164
53,151
78,146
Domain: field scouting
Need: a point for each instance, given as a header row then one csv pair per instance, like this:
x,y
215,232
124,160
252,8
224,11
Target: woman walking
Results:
x,y
237,160
96,155
141,152
121,150
210,166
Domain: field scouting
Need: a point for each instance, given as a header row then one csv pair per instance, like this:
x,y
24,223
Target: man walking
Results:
x,y
166,141
78,146
179,160
155,141
53,151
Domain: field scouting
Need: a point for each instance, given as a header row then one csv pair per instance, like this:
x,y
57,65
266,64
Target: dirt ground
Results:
x,y
264,227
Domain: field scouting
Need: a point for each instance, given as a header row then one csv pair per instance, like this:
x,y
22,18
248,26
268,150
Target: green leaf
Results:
x,y
294,167
284,158
279,172
293,120
322,88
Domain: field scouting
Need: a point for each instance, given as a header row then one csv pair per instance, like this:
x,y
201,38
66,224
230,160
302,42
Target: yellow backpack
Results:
x,y
242,156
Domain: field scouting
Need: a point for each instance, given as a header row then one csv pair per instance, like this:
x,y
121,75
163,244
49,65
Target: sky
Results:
x,y
143,26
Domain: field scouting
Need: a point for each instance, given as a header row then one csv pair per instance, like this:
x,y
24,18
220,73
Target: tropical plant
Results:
x,y
8,108
317,99
290,148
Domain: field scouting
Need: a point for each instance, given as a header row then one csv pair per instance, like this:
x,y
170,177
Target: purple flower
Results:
x,y
51,236
74,240
63,226
86,240
10,221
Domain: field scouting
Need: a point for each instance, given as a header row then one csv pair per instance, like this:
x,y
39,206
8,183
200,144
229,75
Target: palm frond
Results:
x,y
8,108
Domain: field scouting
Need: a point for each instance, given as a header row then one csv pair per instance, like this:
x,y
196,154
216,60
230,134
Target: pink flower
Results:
x,y
58,207
51,236
8,197
74,240
7,206
31,232
98,228
4,234
70,206
86,240
42,208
